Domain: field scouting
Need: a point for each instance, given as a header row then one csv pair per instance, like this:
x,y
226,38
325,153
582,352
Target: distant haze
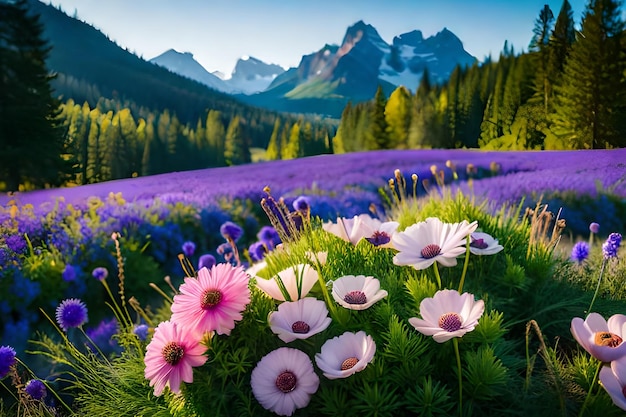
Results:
x,y
219,32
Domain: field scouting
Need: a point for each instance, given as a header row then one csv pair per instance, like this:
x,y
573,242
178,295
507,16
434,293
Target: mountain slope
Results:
x,y
184,64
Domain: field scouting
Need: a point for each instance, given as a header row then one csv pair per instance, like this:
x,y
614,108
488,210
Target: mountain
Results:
x,y
326,80
252,75
183,63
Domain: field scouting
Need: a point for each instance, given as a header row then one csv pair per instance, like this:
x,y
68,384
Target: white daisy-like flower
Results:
x,y
484,244
284,381
363,226
424,243
448,314
290,284
603,339
613,379
345,355
299,319
316,257
357,292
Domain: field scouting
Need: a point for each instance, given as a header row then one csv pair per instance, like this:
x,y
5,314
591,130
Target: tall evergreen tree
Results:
x,y
398,117
32,138
377,137
539,45
590,102
236,150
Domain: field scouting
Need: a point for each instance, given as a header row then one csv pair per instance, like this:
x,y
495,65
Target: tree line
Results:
x,y
566,92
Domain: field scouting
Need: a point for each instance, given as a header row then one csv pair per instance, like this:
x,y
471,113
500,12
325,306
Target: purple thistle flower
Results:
x,y
594,227
206,261
100,273
7,360
69,273
141,330
189,248
102,336
36,389
580,252
231,231
611,245
302,203
257,251
269,236
71,313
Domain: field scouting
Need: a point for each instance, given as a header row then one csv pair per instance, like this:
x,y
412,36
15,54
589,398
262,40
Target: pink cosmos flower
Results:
x,y
299,319
484,244
613,379
346,355
284,381
213,301
601,338
290,284
448,314
170,357
357,292
363,226
424,243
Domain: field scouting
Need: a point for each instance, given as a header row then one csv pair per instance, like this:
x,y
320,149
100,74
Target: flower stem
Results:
x,y
437,275
595,294
455,341
465,263
593,381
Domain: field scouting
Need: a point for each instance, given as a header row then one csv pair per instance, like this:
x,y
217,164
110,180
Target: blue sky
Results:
x,y
218,32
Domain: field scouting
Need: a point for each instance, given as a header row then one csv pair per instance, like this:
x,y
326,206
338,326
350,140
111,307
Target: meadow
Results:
x,y
53,241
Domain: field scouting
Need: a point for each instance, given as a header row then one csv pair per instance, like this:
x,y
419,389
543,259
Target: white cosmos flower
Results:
x,y
448,314
357,292
290,284
484,244
284,381
424,243
345,355
299,319
362,226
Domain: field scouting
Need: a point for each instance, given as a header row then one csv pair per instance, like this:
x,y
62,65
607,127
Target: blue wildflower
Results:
x,y
36,389
69,273
206,261
7,360
257,251
72,312
611,245
102,336
594,227
302,203
100,273
16,243
269,236
231,231
141,330
189,248
580,252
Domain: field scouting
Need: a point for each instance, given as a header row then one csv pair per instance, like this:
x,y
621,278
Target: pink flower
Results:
x,y
613,379
284,381
299,319
448,314
170,357
290,284
360,227
213,301
601,338
357,292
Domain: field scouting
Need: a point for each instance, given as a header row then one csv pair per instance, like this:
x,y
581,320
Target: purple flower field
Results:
x,y
52,240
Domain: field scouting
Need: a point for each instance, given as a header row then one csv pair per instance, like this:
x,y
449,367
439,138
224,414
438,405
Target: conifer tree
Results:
x,y
216,136
236,150
272,152
539,45
32,139
377,137
589,111
398,117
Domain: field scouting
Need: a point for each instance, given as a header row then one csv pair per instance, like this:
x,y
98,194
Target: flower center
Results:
x,y
607,339
300,327
430,251
450,322
211,298
355,297
479,244
286,382
378,238
349,363
172,353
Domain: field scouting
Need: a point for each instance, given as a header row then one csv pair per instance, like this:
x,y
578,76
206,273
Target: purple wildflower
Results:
x,y
16,243
302,203
141,330
594,227
231,231
71,313
611,245
257,251
206,261
189,248
100,273
269,236
69,273
36,389
580,252
7,360
102,336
